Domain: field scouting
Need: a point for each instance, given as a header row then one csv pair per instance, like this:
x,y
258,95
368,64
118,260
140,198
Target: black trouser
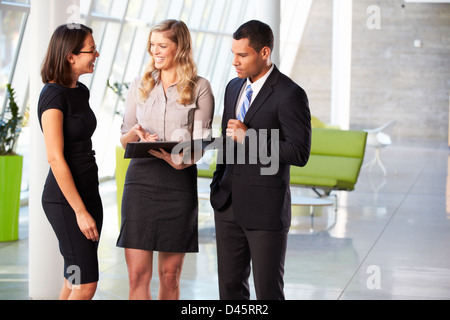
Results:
x,y
236,247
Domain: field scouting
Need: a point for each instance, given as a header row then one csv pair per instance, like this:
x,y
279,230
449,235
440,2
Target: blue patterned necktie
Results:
x,y
246,104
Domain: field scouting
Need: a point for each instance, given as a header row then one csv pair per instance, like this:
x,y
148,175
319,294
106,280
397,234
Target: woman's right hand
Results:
x,y
143,135
87,226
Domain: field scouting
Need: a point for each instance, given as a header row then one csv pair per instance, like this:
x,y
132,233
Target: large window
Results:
x,y
121,29
13,51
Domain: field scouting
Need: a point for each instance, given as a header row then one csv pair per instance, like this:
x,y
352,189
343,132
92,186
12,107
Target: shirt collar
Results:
x,y
158,83
257,85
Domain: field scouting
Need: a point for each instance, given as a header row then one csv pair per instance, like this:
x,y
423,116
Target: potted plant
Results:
x,y
10,169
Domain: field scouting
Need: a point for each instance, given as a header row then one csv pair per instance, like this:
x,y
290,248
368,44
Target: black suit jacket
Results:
x,y
260,200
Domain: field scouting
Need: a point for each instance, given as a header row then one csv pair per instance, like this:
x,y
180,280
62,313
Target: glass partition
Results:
x,y
121,29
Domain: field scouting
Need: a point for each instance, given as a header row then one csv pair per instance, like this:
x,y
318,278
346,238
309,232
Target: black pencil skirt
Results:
x,y
159,208
79,253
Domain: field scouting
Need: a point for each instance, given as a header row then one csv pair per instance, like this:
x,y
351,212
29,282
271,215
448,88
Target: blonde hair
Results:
x,y
178,32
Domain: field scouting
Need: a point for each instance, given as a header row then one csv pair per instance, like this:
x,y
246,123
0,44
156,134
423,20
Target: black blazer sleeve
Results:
x,y
295,125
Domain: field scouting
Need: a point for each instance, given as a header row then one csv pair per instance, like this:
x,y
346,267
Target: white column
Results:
x,y
45,261
269,11
341,63
295,16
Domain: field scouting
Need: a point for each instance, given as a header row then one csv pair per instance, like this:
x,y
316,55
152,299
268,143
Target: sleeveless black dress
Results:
x,y
80,254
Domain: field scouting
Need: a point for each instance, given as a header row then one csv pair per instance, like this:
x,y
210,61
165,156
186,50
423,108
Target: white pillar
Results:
x,y
341,63
45,261
269,11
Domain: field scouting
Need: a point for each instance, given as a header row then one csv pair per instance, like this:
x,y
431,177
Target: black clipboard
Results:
x,y
140,149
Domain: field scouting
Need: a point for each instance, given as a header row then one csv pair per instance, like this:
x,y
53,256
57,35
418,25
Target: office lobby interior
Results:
x,y
387,239
390,240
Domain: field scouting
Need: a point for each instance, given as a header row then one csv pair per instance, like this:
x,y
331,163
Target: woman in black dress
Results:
x,y
71,198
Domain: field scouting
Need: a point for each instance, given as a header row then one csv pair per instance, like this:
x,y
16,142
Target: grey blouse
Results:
x,y
166,117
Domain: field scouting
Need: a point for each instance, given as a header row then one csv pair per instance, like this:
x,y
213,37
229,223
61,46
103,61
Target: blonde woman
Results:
x,y
160,204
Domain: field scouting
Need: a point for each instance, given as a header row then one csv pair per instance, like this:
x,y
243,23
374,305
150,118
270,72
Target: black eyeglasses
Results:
x,y
91,52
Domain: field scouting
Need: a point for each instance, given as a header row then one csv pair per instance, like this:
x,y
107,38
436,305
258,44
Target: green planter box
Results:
x,y
10,180
121,172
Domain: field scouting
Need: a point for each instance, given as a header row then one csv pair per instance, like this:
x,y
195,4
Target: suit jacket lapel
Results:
x,y
265,92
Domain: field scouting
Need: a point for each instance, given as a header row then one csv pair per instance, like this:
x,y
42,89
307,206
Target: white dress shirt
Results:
x,y
256,87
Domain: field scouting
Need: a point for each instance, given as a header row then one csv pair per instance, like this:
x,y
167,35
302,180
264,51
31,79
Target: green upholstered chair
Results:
x,y
317,123
335,161
208,172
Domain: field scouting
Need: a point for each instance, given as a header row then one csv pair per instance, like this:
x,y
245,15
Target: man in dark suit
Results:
x,y
250,189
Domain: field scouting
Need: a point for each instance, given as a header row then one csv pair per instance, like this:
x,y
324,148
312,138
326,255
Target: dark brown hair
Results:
x,y
67,39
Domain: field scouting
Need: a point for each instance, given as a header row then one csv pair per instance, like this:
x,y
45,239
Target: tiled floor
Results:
x,y
391,239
